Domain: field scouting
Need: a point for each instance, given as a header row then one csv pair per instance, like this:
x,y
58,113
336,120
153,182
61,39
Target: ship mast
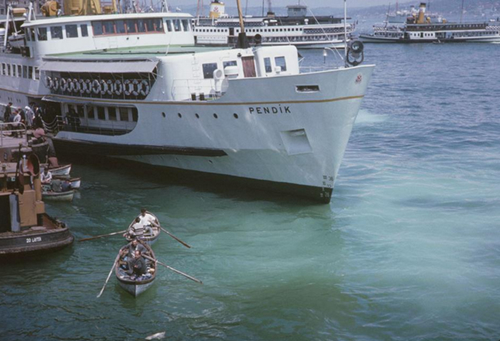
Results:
x,y
462,12
242,37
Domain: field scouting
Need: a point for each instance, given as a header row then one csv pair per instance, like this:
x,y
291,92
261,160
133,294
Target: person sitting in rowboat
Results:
x,y
134,246
136,230
148,220
137,265
46,177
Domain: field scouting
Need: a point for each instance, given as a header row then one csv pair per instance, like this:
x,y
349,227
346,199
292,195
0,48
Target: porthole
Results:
x,y
179,114
215,116
235,116
197,116
163,114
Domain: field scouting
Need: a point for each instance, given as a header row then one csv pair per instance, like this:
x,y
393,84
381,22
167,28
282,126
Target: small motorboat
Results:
x,y
136,285
25,228
147,237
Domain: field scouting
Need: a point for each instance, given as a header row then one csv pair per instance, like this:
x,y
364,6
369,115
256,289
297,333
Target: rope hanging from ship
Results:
x,y
129,88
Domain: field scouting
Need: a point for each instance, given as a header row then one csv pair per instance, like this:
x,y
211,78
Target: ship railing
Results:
x,y
13,130
198,89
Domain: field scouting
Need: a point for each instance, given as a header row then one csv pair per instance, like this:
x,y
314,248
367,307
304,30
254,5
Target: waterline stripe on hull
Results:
x,y
81,99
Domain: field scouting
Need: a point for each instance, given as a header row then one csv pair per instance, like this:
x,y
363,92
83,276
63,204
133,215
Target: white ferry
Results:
x,y
420,29
297,29
245,113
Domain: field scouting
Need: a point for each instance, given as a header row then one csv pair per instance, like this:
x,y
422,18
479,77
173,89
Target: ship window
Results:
x,y
267,64
85,31
19,71
134,114
90,112
42,33
101,115
141,25
108,27
208,70
112,114
97,27
131,26
185,25
71,31
25,71
120,27
56,32
229,63
124,114
169,25
30,73
280,61
177,25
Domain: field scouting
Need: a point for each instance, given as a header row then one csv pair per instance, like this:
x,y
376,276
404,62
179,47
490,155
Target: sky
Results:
x,y
283,3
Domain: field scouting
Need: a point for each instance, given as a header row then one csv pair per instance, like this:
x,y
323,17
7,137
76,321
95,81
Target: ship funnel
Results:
x,y
217,9
421,13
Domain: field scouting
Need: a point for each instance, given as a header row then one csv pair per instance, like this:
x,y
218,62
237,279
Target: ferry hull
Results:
x,y
16,244
294,145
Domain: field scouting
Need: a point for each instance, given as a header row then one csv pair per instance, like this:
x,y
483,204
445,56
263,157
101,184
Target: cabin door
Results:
x,y
4,213
249,66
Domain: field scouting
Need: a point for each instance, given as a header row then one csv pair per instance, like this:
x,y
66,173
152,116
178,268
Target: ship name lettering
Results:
x,y
270,110
33,240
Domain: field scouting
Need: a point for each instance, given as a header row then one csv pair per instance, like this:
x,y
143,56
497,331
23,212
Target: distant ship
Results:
x,y
297,28
420,29
144,93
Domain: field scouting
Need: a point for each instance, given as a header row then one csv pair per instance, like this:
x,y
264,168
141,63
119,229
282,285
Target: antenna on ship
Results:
x,y
462,12
345,33
242,37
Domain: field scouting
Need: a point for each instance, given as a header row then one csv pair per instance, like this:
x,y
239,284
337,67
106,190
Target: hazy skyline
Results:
x,y
283,3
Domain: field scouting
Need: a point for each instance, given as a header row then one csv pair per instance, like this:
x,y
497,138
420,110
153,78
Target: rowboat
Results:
x,y
137,285
75,182
58,196
147,238
61,170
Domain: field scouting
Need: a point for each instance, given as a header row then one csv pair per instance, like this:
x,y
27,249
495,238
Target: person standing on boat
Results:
x,y
148,220
7,112
137,265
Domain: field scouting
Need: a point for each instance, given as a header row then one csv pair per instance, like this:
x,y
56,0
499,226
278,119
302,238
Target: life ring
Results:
x,y
128,87
109,87
88,86
96,86
103,86
48,82
118,88
76,85
135,87
145,88
82,86
56,84
71,86
64,84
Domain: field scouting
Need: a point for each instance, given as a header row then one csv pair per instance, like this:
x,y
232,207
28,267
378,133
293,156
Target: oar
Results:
x,y
102,235
171,235
109,275
174,270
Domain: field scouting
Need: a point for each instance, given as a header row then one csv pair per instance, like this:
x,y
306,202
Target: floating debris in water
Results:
x,y
157,336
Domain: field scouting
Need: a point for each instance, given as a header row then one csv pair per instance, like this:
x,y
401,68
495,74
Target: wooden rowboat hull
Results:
x,y
135,289
61,170
59,196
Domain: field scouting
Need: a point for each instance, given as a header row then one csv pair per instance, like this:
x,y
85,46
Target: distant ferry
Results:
x,y
144,93
294,29
422,30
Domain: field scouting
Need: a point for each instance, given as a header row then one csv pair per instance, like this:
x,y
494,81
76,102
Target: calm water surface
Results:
x,y
408,249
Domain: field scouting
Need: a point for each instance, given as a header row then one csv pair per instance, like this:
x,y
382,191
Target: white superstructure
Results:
x,y
295,29
246,114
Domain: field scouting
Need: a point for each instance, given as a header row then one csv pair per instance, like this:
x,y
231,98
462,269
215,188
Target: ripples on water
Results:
x,y
408,249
